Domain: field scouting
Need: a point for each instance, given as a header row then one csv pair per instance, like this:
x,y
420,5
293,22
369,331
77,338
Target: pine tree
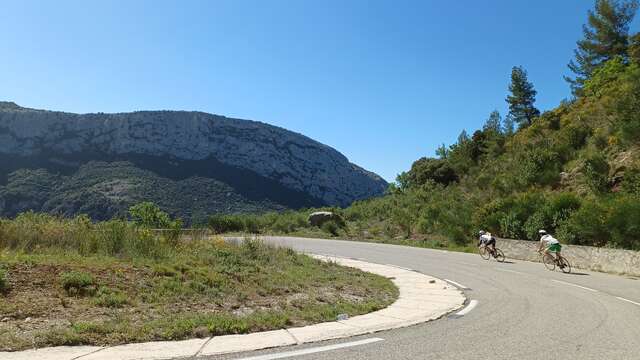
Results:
x,y
463,137
493,123
522,98
442,152
605,37
507,126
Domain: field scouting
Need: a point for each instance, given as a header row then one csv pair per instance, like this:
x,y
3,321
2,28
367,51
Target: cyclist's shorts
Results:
x,y
554,248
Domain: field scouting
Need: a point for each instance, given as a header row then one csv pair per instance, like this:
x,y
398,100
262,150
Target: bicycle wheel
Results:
x,y
565,266
499,255
549,262
484,253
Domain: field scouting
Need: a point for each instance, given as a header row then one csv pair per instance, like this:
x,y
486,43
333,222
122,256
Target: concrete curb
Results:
x,y
422,298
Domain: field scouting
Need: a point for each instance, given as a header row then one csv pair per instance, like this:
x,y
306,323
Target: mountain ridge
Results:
x,y
298,170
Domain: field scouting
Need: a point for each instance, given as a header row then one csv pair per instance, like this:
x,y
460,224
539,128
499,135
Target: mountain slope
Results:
x,y
575,172
164,155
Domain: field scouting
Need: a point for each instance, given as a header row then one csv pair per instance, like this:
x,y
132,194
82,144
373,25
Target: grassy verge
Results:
x,y
119,289
426,242
346,226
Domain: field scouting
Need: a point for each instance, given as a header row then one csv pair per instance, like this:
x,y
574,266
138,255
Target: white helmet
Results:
x,y
542,232
482,232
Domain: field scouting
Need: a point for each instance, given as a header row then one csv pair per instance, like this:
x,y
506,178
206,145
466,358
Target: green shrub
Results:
x,y
458,236
4,281
627,108
429,169
253,248
624,223
221,223
330,227
631,182
78,283
596,172
110,238
148,214
587,225
510,226
604,77
251,224
31,232
550,214
110,298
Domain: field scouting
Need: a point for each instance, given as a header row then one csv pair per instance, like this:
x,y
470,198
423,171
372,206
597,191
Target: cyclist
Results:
x,y
549,244
485,239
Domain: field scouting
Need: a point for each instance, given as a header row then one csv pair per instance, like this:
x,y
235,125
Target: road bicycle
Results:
x,y
486,253
550,262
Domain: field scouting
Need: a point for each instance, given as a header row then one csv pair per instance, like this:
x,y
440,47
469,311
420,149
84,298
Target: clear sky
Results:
x,y
383,82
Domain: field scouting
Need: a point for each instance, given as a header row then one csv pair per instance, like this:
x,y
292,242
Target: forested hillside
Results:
x,y
573,170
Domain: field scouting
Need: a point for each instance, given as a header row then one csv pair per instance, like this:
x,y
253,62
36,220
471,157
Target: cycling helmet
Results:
x,y
482,232
542,232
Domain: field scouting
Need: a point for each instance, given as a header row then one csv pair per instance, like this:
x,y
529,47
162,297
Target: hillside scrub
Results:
x,y
72,282
574,171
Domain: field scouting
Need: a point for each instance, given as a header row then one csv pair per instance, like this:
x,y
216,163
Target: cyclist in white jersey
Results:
x,y
487,240
549,244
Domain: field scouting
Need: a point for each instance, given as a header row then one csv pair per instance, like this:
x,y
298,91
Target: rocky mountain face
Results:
x,y
252,162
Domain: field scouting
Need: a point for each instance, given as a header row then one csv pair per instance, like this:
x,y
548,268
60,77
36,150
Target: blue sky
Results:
x,y
384,82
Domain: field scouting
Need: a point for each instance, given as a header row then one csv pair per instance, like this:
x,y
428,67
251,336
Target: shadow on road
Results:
x,y
577,273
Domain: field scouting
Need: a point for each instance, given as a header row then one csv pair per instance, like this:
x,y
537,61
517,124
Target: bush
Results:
x,y
149,215
330,227
624,223
429,169
78,283
110,298
631,182
604,77
510,226
253,248
596,172
31,232
587,225
4,282
555,210
251,224
221,223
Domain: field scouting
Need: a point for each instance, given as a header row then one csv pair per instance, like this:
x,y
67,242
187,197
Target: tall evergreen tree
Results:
x,y
463,137
493,123
605,37
507,126
522,98
442,152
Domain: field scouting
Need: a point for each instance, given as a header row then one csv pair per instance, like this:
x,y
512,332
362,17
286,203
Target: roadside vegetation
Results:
x,y
573,170
72,281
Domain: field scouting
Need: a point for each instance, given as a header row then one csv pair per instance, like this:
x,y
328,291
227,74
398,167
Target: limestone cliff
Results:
x,y
182,144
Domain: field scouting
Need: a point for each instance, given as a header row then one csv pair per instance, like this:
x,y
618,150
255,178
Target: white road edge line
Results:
x,y
468,308
571,284
511,271
399,267
627,300
456,284
312,350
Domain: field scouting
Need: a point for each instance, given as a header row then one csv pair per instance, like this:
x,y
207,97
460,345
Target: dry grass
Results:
x,y
60,295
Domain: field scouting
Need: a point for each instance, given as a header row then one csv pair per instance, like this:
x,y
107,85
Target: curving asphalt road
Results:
x,y
523,310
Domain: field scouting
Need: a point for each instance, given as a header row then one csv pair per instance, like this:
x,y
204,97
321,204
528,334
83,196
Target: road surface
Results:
x,y
521,311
